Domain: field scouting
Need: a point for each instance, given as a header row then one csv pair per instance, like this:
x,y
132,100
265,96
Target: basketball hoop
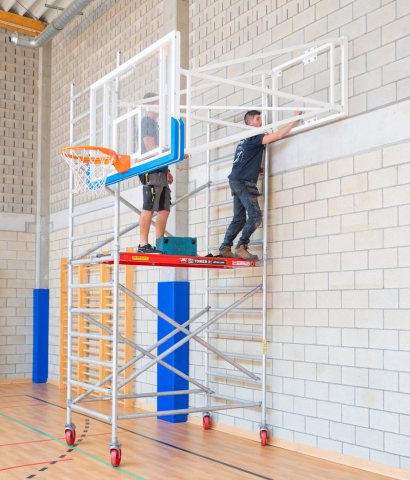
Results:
x,y
90,166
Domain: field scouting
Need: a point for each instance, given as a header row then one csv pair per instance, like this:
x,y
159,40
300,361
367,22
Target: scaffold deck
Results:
x,y
184,261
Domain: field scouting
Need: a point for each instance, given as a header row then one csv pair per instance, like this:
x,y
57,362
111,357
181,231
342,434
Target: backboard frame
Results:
x,y
111,120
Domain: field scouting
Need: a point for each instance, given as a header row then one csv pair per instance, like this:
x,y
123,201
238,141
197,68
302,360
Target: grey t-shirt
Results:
x,y
149,128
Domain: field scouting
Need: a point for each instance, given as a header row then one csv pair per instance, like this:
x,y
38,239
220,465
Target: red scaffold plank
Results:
x,y
179,261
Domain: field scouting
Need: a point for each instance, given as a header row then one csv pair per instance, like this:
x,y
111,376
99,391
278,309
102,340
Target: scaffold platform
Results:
x,y
159,260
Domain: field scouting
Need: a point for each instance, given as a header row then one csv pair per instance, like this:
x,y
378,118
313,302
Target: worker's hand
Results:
x,y
186,156
170,178
297,113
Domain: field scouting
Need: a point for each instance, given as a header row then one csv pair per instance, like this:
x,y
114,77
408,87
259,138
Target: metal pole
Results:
x,y
143,395
185,410
332,73
208,192
345,75
114,441
265,261
69,425
188,112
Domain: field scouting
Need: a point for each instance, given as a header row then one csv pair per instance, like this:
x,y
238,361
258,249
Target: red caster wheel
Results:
x,y
205,422
70,437
263,438
115,457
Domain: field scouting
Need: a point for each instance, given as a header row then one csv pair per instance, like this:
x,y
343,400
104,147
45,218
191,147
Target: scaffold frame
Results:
x,y
269,97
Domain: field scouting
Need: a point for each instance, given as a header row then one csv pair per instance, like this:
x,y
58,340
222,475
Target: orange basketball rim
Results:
x,y
121,163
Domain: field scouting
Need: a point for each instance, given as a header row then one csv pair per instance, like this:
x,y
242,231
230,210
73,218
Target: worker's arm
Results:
x,y
149,143
281,132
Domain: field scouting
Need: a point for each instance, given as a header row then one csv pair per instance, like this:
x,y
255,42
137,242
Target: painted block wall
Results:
x,y
18,157
18,127
17,253
338,224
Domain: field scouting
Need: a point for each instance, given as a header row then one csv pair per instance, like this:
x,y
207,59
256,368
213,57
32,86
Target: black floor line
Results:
x,y
53,462
163,443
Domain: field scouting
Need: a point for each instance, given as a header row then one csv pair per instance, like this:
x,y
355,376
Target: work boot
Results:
x,y
226,253
242,252
148,249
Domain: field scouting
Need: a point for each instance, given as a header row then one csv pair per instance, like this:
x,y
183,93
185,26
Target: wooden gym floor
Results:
x,y
32,445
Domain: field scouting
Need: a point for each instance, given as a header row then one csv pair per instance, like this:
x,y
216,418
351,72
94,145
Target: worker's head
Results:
x,y
152,112
253,118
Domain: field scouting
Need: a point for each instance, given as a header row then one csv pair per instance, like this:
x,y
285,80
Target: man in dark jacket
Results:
x,y
242,180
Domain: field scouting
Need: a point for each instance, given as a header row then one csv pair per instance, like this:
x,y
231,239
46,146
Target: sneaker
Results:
x,y
148,249
226,252
242,252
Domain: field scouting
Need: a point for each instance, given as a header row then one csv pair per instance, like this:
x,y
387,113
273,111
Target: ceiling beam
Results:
x,y
20,24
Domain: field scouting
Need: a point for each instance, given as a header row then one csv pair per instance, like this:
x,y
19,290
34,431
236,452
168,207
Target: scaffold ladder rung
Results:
x,y
93,209
222,202
92,310
90,361
229,289
91,285
252,242
239,355
235,333
232,377
239,310
92,234
96,260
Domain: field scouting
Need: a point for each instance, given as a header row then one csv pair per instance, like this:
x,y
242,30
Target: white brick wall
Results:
x,y
16,304
18,126
339,231
338,334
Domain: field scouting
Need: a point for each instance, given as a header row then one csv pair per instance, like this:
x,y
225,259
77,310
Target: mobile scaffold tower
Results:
x,y
115,124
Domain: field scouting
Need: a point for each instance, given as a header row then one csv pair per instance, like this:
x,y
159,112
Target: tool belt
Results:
x,y
252,188
144,178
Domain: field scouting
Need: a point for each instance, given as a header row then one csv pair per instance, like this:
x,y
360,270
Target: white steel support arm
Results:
x,y
256,131
255,88
260,56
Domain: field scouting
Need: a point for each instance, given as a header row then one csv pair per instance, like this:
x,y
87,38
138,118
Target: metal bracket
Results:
x,y
310,121
311,56
115,446
69,426
263,428
205,414
70,402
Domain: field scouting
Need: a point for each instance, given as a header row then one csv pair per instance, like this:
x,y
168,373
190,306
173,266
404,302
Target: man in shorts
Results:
x,y
242,180
156,194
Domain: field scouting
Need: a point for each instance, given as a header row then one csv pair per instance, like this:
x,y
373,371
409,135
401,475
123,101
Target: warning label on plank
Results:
x,y
202,261
140,258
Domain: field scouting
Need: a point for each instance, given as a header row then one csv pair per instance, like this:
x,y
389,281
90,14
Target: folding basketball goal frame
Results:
x,y
264,84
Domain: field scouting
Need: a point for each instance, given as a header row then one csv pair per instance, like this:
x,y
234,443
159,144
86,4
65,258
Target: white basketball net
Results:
x,y
91,176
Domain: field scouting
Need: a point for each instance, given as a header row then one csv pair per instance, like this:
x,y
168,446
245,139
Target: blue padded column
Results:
x,y
173,300
40,335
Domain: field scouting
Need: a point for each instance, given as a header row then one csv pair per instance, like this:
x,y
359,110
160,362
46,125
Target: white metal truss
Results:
x,y
214,75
